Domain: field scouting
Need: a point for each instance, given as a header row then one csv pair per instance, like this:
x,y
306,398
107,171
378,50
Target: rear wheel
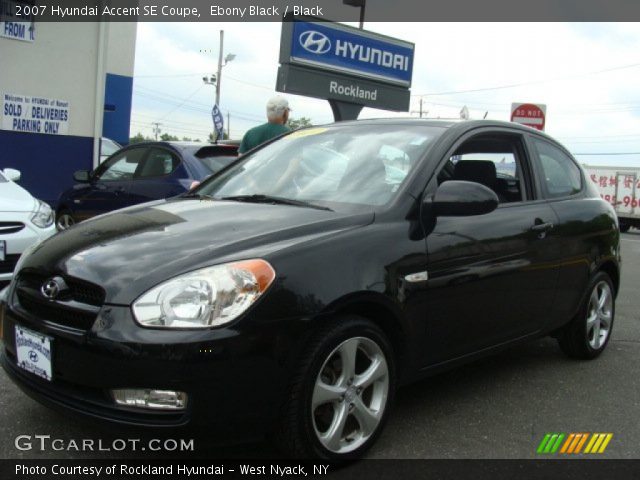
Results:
x,y
587,335
341,394
64,220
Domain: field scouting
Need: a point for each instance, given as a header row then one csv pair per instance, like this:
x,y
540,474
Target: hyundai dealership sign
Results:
x,y
336,47
344,65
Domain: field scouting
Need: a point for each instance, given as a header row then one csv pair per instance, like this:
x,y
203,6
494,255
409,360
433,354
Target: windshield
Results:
x,y
363,165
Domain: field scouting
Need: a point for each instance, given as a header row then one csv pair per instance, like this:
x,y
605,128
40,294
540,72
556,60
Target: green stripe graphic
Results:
x,y
558,442
543,443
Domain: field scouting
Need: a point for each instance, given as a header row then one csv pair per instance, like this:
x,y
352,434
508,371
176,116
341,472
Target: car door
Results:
x,y
579,228
492,277
158,176
109,184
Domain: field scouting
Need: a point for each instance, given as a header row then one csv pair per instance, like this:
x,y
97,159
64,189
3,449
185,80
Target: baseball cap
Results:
x,y
277,105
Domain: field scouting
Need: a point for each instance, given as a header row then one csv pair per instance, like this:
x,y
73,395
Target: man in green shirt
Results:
x,y
277,116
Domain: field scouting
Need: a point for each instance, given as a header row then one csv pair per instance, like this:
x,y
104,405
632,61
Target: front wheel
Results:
x,y
64,220
587,335
341,394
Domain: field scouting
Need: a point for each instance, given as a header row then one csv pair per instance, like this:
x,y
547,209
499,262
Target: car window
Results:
x,y
357,166
108,147
561,176
493,161
158,163
122,166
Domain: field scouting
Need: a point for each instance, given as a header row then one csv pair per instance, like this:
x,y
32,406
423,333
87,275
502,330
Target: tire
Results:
x,y
348,415
624,227
64,220
588,334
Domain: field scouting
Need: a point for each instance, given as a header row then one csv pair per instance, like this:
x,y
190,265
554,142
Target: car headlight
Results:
x,y
43,217
208,297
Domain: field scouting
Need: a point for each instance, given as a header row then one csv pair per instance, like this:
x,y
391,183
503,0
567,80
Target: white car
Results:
x,y
24,220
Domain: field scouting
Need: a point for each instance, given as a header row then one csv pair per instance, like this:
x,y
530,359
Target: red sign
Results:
x,y
529,114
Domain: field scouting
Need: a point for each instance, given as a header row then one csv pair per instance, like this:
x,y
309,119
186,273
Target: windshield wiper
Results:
x,y
201,196
261,198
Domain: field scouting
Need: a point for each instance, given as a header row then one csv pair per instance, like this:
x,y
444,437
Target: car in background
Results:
x,y
107,148
24,221
140,173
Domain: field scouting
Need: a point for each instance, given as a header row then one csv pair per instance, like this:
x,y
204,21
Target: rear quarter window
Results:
x,y
561,177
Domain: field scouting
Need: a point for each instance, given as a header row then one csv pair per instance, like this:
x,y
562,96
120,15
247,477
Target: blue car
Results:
x,y
140,173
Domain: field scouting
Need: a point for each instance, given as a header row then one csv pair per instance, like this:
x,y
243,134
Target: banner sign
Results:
x,y
26,113
342,49
14,26
218,122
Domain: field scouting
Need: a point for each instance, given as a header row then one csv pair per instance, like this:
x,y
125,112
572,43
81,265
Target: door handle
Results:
x,y
542,227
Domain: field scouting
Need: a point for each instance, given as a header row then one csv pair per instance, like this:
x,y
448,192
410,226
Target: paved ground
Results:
x,y
500,407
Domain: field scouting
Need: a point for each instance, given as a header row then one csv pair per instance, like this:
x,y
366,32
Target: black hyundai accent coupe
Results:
x,y
298,288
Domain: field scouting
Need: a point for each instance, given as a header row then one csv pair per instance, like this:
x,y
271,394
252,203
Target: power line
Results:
x,y
536,82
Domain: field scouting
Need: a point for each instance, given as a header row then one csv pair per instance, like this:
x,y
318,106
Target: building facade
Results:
x,y
63,86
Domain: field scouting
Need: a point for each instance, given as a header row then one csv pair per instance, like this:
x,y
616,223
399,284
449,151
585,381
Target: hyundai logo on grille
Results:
x,y
52,287
315,42
33,356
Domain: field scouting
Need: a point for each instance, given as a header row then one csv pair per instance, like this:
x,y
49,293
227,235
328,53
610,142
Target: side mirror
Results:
x,y
457,198
81,176
12,174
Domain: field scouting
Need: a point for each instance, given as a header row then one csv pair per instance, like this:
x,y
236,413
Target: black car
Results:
x,y
294,291
140,173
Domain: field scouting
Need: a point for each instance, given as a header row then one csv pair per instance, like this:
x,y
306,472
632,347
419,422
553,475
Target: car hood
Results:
x,y
14,198
131,250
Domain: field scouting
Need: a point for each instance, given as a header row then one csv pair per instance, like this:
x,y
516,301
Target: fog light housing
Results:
x,y
150,399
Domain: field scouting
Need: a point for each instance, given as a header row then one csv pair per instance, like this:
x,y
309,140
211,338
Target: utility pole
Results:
x,y
420,107
228,125
219,76
156,128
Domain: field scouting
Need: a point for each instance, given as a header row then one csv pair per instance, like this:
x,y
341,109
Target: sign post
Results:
x,y
529,114
349,67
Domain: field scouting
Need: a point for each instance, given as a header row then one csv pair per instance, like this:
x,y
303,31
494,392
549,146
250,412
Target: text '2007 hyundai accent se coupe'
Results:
x,y
295,290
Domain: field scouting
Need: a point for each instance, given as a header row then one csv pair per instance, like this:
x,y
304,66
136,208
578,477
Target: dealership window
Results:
x,y
122,166
494,161
561,175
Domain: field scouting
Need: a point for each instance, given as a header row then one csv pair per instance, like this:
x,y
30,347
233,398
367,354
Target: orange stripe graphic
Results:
x,y
567,443
574,443
584,439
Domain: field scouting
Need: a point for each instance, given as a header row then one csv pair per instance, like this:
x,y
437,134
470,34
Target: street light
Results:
x,y
357,3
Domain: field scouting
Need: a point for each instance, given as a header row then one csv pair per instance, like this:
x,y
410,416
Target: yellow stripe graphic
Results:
x,y
607,439
596,445
590,444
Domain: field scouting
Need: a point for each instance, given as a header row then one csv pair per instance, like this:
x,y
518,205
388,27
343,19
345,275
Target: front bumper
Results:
x,y
232,377
18,242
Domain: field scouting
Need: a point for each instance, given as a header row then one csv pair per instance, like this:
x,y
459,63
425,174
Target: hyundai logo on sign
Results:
x,y
335,47
315,42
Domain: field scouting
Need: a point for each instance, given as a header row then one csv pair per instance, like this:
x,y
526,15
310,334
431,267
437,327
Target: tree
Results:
x,y
166,137
139,138
295,124
212,137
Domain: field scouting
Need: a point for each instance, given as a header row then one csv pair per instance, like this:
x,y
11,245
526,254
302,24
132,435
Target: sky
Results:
x,y
587,75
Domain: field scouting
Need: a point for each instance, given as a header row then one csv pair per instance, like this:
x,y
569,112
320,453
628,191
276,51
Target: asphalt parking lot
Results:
x,y
500,407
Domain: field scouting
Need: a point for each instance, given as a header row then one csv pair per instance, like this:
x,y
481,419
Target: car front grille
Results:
x,y
76,307
9,263
10,227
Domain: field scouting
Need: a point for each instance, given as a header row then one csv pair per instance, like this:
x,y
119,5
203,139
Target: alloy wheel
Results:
x,y
599,315
64,221
350,395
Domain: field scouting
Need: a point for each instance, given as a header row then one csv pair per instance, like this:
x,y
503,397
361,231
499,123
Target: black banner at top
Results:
x,y
333,10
